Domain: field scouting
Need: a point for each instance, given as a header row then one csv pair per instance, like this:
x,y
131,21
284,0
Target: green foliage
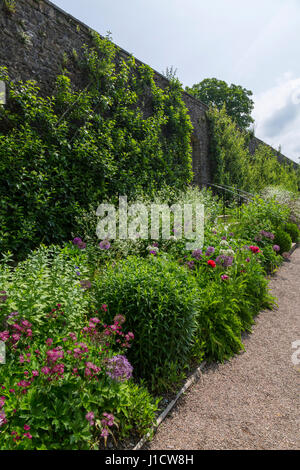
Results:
x,y
283,240
48,277
51,396
121,134
229,156
284,197
265,169
259,215
9,6
236,99
157,298
233,165
293,231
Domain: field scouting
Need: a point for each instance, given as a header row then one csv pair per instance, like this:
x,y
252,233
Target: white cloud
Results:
x,y
277,115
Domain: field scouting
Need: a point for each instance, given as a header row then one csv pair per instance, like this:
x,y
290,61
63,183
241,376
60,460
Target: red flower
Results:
x,y
254,249
211,263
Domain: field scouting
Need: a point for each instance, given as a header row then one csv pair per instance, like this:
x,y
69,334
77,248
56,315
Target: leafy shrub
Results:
x,y
231,292
259,215
49,276
293,231
157,298
283,240
61,394
284,197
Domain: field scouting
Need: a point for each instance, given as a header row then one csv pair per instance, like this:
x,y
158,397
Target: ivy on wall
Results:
x,y
120,135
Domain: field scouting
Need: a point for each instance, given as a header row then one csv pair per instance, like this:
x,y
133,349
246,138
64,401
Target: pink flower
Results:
x,y
224,277
49,341
46,370
26,427
28,435
4,336
90,418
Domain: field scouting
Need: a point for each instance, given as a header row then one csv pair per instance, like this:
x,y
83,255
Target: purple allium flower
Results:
x,y
224,260
104,245
197,254
224,238
210,250
276,248
76,241
152,252
119,368
191,264
231,234
81,245
247,260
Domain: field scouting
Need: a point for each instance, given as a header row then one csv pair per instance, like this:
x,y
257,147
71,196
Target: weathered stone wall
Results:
x,y
38,38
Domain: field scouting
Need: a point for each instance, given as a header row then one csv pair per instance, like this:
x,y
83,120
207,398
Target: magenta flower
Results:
x,y
224,277
26,427
4,335
46,370
90,418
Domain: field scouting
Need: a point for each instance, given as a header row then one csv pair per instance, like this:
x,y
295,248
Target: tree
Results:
x,y
237,99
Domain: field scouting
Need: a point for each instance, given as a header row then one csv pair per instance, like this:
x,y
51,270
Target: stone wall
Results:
x,y
39,39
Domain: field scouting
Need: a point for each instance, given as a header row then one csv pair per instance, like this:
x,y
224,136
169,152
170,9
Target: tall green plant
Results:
x,y
121,134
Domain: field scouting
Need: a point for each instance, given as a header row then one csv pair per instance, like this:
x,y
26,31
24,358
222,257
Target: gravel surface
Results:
x,y
251,401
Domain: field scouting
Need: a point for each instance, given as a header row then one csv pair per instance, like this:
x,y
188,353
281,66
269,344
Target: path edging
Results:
x,y
195,376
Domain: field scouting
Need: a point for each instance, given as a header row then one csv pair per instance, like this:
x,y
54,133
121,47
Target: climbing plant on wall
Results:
x,y
122,133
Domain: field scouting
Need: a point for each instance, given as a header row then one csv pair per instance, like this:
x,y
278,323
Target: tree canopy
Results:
x,y
237,99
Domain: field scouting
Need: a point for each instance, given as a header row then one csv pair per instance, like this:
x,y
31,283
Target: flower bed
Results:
x,y
94,331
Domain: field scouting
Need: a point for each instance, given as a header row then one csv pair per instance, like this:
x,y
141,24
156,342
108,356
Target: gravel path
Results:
x,y
251,401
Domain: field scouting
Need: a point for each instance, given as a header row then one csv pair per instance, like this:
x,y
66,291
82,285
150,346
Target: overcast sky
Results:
x,y
254,44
